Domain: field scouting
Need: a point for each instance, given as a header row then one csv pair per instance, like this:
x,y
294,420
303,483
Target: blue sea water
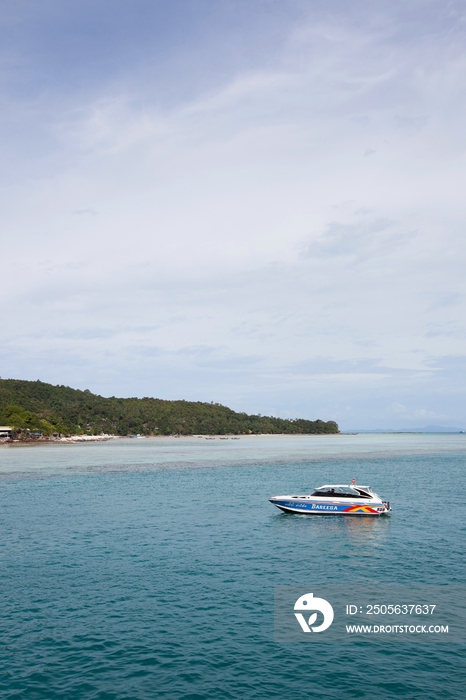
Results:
x,y
142,569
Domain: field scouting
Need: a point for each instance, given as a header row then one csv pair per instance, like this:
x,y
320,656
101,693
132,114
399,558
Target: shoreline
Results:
x,y
81,439
86,439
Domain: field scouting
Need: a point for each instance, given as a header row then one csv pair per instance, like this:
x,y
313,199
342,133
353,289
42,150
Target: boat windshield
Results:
x,y
339,492
365,493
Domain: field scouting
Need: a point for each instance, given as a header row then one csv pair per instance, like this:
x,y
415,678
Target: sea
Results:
x,y
138,569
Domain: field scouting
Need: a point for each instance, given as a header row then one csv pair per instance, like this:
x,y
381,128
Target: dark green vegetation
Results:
x,y
45,408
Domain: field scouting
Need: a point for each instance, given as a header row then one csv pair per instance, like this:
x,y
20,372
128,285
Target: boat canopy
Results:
x,y
343,491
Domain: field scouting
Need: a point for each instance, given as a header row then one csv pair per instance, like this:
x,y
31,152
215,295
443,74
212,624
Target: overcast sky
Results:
x,y
255,202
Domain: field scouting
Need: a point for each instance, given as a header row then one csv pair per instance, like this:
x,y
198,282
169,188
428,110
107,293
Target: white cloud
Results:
x,y
245,230
398,408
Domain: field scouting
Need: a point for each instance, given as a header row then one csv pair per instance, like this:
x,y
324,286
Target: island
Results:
x,y
35,410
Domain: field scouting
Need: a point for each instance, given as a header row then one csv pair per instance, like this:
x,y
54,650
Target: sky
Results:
x,y
253,202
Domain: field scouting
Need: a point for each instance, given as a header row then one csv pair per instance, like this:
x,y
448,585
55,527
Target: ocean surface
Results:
x,y
145,569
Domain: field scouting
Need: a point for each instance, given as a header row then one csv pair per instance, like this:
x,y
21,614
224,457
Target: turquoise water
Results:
x,y
141,569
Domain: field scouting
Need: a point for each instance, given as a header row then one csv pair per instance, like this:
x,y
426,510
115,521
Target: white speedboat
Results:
x,y
334,499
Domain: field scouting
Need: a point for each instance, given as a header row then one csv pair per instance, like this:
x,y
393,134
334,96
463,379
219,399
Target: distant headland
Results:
x,y
36,410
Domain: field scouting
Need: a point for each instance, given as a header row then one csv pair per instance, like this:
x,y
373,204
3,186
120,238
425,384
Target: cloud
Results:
x,y
228,238
415,416
347,239
85,212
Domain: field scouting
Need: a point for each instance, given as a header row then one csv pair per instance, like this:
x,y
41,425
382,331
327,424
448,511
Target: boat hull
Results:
x,y
311,507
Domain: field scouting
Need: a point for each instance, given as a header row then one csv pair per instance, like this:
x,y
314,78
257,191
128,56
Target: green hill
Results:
x,y
45,408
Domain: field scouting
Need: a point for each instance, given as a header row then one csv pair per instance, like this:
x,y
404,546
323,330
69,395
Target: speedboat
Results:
x,y
335,499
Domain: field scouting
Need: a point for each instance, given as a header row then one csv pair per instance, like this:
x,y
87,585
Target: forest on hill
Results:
x,y
47,409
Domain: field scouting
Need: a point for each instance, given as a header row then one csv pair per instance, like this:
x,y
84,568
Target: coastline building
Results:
x,y
6,431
